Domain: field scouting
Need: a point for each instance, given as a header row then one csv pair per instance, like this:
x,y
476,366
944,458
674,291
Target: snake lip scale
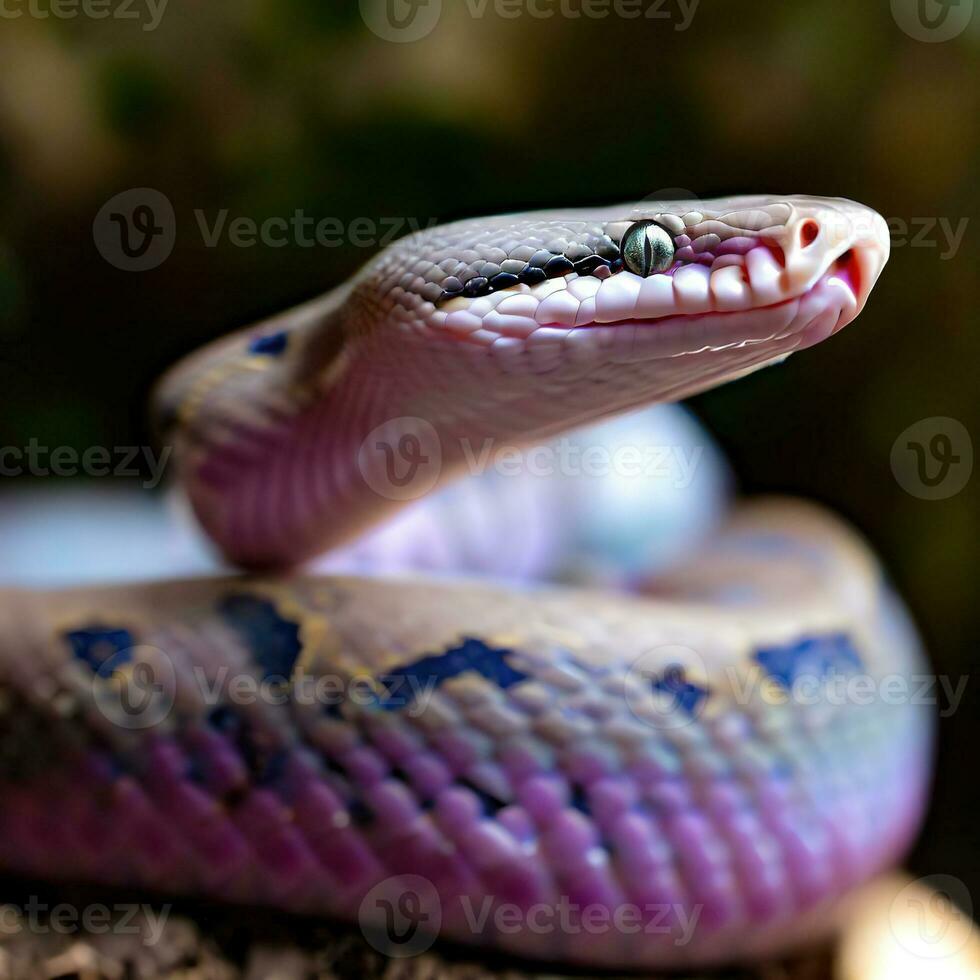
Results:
x,y
620,774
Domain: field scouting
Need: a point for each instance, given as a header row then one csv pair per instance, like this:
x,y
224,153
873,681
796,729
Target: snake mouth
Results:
x,y
762,295
821,310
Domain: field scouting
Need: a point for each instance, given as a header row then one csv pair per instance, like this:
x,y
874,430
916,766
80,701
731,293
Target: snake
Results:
x,y
477,727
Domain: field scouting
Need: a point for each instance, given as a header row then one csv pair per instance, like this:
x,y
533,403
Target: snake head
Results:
x,y
733,283
509,329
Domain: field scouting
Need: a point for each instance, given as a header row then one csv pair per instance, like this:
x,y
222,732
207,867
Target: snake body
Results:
x,y
653,778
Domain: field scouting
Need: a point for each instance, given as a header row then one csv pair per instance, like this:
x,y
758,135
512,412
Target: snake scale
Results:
x,y
614,777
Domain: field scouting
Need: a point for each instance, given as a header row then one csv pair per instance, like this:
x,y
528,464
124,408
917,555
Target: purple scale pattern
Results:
x,y
745,820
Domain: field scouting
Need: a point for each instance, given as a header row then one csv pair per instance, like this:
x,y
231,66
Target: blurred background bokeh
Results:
x,y
260,108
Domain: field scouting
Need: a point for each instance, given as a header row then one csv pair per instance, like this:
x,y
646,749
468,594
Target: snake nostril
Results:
x,y
809,232
778,254
848,268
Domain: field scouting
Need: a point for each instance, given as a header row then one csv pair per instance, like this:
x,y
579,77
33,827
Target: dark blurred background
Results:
x,y
263,107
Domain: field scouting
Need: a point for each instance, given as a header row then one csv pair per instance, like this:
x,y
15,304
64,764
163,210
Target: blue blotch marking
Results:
x,y
333,711
273,768
360,813
225,720
686,695
272,344
266,763
817,656
103,649
580,800
273,641
491,805
431,672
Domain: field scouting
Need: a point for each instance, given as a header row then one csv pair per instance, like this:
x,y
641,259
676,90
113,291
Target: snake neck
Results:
x,y
291,455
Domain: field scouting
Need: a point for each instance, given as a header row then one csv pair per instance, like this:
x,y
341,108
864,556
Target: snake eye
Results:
x,y
647,248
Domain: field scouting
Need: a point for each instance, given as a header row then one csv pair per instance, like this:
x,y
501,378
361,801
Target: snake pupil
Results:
x,y
647,248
